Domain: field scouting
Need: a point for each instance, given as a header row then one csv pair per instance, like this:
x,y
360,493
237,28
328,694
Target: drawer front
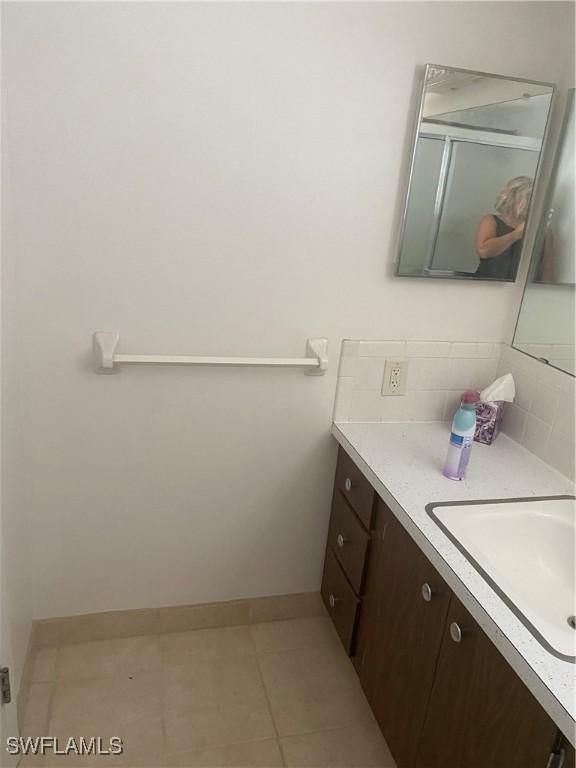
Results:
x,y
349,540
357,490
340,600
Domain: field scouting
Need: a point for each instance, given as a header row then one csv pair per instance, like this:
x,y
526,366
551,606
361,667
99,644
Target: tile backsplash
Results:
x,y
541,418
438,373
542,415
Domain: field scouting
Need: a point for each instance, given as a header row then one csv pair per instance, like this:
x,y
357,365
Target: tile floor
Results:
x,y
282,693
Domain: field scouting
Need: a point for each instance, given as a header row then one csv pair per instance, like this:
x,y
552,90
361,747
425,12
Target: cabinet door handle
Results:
x,y
455,632
333,600
348,484
427,591
341,540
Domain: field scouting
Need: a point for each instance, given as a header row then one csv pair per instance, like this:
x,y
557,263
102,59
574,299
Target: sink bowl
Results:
x,y
524,549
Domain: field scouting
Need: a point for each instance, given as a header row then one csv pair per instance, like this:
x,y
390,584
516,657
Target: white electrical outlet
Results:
x,y
395,375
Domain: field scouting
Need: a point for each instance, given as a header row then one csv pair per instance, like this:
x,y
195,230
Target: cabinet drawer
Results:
x,y
340,600
354,486
348,539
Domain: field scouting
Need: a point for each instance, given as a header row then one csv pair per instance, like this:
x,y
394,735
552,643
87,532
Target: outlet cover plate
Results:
x,y
395,375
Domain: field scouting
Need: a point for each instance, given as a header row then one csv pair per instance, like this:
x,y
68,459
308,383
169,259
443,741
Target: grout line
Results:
x,y
162,702
280,746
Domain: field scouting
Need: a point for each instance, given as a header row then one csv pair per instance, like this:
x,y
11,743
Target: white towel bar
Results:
x,y
106,360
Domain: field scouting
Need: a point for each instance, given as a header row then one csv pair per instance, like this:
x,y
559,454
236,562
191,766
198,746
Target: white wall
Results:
x,y
16,607
217,179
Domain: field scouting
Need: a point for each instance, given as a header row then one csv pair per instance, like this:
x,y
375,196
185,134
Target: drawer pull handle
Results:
x,y
348,484
427,592
455,632
333,600
341,540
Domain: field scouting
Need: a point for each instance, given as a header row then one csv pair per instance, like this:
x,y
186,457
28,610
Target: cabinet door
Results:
x,y
480,714
406,603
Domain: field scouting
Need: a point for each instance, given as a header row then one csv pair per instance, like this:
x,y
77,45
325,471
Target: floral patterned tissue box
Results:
x,y
488,420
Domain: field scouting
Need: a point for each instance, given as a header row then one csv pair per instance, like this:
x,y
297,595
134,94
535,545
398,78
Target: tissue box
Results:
x,y
488,420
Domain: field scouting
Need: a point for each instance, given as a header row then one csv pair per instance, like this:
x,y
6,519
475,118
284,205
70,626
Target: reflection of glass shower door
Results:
x,y
476,174
419,225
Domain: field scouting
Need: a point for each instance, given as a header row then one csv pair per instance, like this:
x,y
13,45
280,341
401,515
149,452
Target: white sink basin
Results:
x,y
524,548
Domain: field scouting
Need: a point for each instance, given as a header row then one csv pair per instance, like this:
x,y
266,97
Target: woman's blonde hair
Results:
x,y
514,199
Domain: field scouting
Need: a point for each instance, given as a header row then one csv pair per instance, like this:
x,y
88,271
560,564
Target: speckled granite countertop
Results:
x,y
404,461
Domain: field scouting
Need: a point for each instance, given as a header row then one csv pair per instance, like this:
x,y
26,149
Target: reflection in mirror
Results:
x,y
545,327
474,162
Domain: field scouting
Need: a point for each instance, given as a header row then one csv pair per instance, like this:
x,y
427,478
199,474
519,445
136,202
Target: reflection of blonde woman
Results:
x,y
498,239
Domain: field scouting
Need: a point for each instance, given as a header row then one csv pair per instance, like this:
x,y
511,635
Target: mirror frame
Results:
x,y
570,103
413,147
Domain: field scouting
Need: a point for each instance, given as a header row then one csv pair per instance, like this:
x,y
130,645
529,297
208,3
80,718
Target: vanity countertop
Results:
x,y
404,462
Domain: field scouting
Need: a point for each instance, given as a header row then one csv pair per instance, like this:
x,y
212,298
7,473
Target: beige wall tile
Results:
x,y
416,406
187,617
105,626
384,349
475,349
428,349
472,373
514,421
280,607
365,405
536,436
429,373
564,421
545,401
350,348
560,454
368,373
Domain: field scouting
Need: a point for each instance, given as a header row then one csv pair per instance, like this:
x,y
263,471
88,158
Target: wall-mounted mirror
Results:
x,y
474,162
545,327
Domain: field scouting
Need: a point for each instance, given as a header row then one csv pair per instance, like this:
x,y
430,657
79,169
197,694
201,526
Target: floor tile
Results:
x,y
128,656
253,754
359,746
206,644
37,710
273,636
201,681
127,707
217,723
312,689
214,702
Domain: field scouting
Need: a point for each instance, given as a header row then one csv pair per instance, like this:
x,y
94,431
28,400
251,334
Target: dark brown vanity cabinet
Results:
x,y
441,691
400,633
480,713
347,548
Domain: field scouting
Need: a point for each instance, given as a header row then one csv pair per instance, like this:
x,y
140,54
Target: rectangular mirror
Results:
x,y
545,327
474,162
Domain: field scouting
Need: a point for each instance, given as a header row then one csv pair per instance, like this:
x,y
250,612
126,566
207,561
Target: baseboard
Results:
x,y
154,621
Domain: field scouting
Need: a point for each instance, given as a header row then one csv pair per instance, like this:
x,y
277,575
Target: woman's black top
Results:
x,y
504,266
